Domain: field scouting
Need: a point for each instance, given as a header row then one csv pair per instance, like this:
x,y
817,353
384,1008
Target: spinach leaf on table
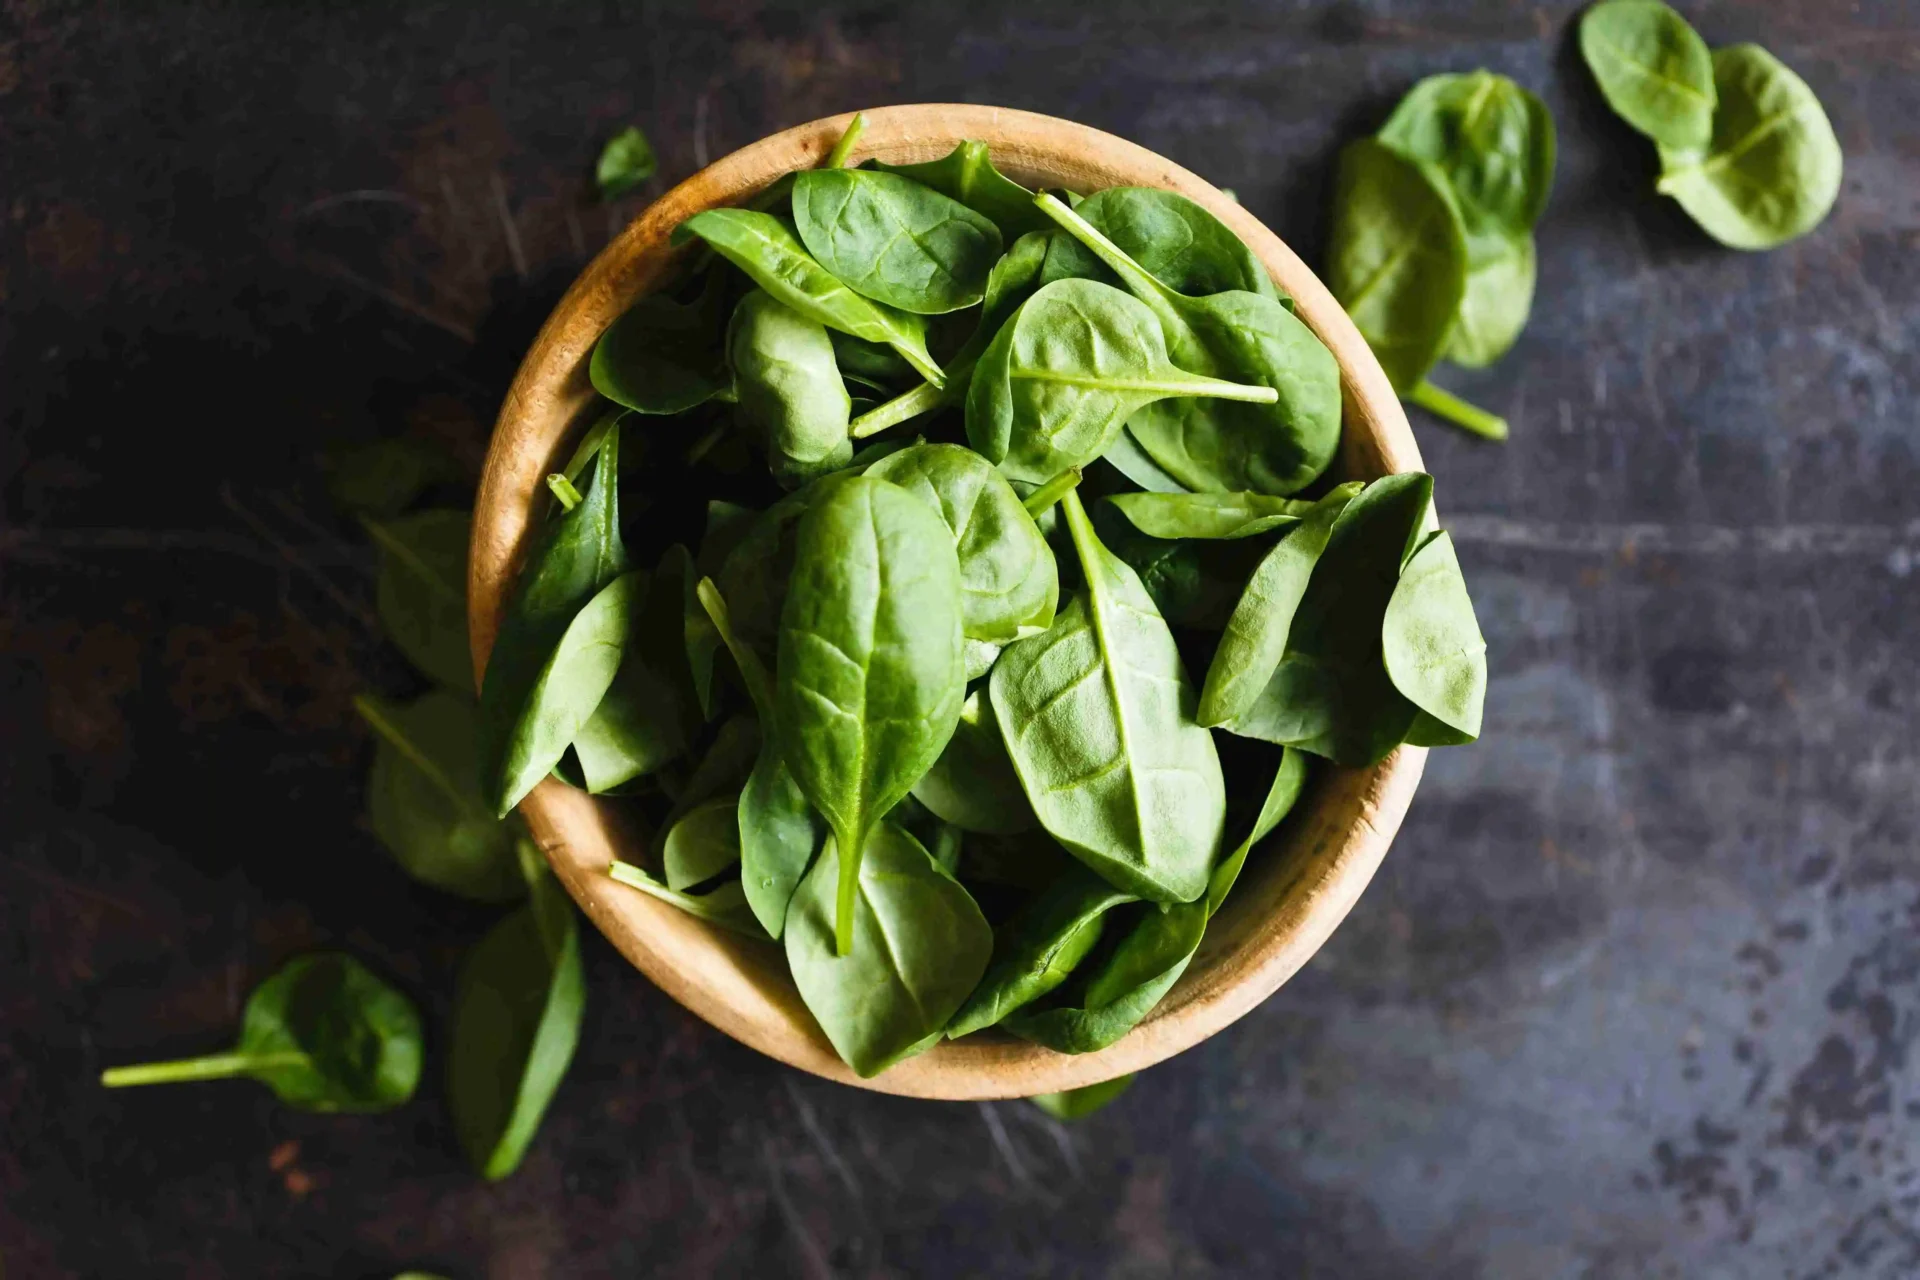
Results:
x,y
422,591
1275,444
789,387
1208,515
424,801
1772,169
972,785
516,1021
895,240
324,1033
1097,714
919,945
1431,641
383,477
529,709
1038,947
1653,69
767,248
625,162
1009,584
703,843
1078,1104
1066,371
1497,302
967,174
869,661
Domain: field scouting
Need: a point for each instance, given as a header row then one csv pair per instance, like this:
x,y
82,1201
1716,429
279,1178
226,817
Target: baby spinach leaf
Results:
x,y
1009,583
1431,640
702,844
870,659
1037,948
1256,635
525,722
1273,445
725,907
978,656
1331,694
1097,714
766,247
1078,1104
1176,241
725,765
424,802
789,387
1653,69
664,356
778,829
1772,169
967,174
422,591
649,713
1127,457
1398,260
1075,361
625,162
324,1033
1499,296
972,785
895,240
516,1020
1123,990
1491,142
919,945
1208,515
1289,779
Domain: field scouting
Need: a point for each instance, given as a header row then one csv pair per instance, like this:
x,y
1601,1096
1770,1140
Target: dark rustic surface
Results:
x,y
1635,994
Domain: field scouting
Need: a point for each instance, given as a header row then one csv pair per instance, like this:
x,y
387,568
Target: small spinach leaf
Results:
x,y
789,387
1208,515
1431,640
1038,947
702,844
625,162
650,711
1123,990
972,785
1491,142
895,240
1289,779
1653,69
967,174
1078,1104
422,591
1176,241
664,356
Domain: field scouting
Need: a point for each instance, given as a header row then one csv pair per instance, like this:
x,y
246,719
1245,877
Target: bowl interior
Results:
x,y
1296,887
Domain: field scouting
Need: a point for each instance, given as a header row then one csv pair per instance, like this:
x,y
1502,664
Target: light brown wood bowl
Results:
x,y
1295,890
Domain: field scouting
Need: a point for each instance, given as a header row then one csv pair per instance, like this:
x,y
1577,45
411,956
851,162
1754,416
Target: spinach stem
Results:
x,y
217,1066
1451,408
837,158
1051,492
924,398
843,903
563,489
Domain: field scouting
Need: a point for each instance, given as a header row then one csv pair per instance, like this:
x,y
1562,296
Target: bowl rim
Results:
x,y
1309,875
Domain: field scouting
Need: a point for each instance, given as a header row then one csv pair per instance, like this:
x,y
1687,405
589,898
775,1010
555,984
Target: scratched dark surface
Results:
x,y
1635,994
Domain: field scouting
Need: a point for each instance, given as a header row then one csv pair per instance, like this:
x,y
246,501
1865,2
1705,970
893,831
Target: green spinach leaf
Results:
x,y
702,844
1431,641
1123,990
1653,69
789,387
664,356
1176,241
1289,779
649,713
895,240
625,162
967,174
726,907
972,785
1078,1104
422,591
1491,142
1038,947
1208,515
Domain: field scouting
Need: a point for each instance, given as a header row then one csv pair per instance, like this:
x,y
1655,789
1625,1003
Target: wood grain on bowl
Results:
x,y
1294,892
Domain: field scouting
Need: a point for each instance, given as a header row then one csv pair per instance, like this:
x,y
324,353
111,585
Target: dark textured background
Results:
x,y
1635,994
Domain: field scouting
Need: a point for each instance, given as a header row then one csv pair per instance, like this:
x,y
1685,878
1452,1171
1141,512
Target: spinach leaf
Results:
x,y
1098,718
422,591
664,356
1075,361
919,944
1256,635
1491,142
383,477
1123,990
1289,779
1176,241
1498,299
702,844
870,659
972,785
649,712
1331,694
725,765
424,802
1277,446
1208,515
625,162
323,1033
895,240
778,829
529,709
1190,581
1009,583
967,174
1431,641
1127,457
871,361
1037,948
516,1020
1653,69
766,247
725,907
1078,1104
1772,169
978,657
789,387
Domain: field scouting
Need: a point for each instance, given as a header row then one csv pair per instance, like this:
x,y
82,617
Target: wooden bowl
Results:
x,y
1294,891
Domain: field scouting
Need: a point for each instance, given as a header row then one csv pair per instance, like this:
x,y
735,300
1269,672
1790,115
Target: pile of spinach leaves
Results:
x,y
991,596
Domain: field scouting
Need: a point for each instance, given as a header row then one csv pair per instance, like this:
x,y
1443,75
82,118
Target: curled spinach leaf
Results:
x,y
1038,947
895,240
1075,361
1653,69
1009,583
972,785
870,658
1431,640
789,387
919,941
1097,713
422,591
1208,515
765,247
